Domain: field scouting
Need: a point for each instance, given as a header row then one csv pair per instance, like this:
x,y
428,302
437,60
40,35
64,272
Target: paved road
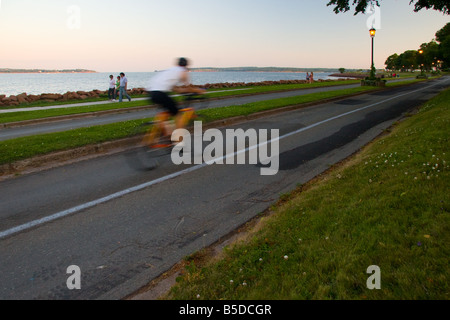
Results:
x,y
124,227
11,133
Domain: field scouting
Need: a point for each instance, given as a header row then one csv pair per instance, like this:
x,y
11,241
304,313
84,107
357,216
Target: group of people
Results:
x,y
118,88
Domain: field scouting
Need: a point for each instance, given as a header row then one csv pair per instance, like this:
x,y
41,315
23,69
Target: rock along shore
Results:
x,y
24,98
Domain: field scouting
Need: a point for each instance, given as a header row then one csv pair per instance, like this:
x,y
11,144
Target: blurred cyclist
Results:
x,y
167,81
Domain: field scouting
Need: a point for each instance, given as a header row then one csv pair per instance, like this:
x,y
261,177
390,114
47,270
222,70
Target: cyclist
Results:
x,y
168,81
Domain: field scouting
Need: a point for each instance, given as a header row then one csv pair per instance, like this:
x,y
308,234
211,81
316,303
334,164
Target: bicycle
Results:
x,y
155,140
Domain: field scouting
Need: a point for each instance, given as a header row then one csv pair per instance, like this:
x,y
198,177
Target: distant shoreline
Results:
x,y
264,69
27,71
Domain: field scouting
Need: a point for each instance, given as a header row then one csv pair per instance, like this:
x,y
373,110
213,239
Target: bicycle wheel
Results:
x,y
149,149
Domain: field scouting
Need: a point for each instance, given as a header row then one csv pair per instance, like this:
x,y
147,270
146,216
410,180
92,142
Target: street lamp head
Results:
x,y
420,51
372,32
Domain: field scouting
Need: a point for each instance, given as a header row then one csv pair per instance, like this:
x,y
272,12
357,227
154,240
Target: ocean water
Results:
x,y
34,83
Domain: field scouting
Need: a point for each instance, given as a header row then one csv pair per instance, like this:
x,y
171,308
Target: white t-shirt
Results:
x,y
112,83
166,80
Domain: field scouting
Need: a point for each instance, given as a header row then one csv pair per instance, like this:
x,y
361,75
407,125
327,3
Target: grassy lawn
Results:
x,y
319,241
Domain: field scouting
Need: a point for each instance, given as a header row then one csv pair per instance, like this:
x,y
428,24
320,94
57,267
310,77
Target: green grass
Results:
x,y
398,219
247,109
27,147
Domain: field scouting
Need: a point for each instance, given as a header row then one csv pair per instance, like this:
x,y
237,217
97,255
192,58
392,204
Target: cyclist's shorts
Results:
x,y
163,99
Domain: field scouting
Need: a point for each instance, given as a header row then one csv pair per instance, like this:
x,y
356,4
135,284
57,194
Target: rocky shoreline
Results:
x,y
24,98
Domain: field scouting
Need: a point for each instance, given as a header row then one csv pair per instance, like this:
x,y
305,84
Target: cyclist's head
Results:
x,y
182,62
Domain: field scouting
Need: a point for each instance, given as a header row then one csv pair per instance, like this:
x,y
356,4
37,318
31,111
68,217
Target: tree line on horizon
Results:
x,y
434,55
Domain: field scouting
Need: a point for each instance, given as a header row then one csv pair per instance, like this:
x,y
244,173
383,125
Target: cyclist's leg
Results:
x,y
163,99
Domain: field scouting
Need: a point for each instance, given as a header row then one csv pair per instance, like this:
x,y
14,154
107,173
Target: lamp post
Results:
x,y
372,70
421,61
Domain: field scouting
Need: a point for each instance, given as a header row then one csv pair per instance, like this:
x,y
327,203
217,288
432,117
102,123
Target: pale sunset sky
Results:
x,y
147,35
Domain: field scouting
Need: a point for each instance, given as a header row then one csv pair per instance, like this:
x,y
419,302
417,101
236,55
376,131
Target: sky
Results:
x,y
148,35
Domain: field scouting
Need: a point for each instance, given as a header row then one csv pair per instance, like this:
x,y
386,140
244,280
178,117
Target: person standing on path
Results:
x,y
123,87
112,88
117,87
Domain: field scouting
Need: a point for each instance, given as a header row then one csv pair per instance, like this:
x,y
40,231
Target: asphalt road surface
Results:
x,y
124,227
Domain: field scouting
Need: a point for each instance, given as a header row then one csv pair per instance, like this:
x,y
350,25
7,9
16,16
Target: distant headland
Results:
x,y
7,70
262,69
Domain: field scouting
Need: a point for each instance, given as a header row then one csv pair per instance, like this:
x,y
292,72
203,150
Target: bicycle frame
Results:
x,y
151,137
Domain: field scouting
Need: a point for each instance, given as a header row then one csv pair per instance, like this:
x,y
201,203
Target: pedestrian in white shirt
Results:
x,y
112,88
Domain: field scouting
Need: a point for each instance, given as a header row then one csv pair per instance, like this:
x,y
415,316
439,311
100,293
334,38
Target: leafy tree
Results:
x,y
392,62
341,70
443,38
431,54
408,60
361,5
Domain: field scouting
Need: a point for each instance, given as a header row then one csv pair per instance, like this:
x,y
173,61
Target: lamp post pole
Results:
x,y
372,68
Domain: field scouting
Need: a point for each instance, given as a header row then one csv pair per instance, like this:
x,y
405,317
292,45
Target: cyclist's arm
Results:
x,y
187,86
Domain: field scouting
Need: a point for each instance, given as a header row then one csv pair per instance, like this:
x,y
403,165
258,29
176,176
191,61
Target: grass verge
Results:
x,y
27,147
319,241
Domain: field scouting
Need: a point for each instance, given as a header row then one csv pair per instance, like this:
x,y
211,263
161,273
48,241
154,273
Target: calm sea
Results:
x,y
13,84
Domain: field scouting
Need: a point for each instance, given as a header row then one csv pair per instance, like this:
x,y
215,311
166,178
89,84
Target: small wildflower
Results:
x,y
286,257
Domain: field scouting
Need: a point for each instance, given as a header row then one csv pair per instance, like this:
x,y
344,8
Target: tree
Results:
x,y
341,70
408,60
431,54
361,5
443,38
392,62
